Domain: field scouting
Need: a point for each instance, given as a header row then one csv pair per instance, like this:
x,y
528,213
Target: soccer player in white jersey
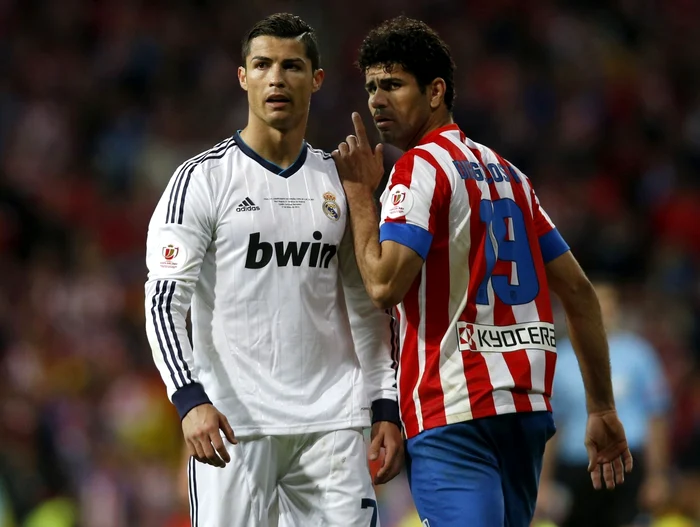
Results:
x,y
469,255
286,345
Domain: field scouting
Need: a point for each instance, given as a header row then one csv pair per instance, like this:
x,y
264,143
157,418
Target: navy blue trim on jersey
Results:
x,y
175,189
412,236
386,410
192,488
169,312
168,341
169,338
196,498
189,396
268,165
160,292
176,203
324,154
395,346
552,245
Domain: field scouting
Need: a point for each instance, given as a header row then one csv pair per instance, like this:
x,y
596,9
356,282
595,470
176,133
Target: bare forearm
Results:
x,y
365,229
657,450
387,269
586,330
589,341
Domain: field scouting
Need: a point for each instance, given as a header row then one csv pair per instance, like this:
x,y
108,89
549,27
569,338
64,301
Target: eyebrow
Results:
x,y
383,82
268,59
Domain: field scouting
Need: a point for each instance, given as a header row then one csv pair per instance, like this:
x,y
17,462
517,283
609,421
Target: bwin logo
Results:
x,y
260,253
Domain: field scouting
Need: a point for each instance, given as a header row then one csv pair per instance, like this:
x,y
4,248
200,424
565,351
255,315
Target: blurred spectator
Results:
x,y
598,102
643,404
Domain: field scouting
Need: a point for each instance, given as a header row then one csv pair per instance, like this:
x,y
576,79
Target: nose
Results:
x,y
277,76
377,100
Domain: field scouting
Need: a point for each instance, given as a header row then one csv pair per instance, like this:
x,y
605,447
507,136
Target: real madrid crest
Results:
x,y
330,207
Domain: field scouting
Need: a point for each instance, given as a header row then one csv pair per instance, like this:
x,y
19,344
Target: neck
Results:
x,y
436,120
280,147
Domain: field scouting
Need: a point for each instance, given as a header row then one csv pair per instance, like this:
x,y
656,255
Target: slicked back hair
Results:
x,y
284,25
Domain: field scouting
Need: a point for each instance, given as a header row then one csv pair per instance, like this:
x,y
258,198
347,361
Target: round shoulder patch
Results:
x,y
169,255
399,202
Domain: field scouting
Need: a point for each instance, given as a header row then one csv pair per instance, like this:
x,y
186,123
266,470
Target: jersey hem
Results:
x,y
327,426
450,419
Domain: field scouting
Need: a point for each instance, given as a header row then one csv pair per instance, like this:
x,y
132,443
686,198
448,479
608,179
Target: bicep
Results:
x,y
405,262
175,245
404,259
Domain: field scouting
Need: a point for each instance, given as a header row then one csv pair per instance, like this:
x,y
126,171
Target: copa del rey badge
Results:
x,y
170,252
172,256
330,207
399,203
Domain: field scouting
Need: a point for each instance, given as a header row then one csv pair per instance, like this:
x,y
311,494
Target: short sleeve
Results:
x,y
416,190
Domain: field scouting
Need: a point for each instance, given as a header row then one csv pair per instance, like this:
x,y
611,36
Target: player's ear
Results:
x,y
243,77
437,91
319,74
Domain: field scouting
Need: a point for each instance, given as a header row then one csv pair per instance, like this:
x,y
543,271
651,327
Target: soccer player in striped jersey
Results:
x,y
465,249
287,349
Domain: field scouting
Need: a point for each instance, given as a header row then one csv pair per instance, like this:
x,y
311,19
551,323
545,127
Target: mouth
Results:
x,y
382,122
277,100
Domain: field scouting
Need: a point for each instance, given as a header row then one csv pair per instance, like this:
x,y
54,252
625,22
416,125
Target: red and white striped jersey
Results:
x,y
476,327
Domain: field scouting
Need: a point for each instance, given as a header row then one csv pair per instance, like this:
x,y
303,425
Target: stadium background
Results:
x,y
598,101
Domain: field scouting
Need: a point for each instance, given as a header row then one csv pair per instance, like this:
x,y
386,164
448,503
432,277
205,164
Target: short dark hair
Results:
x,y
284,25
413,45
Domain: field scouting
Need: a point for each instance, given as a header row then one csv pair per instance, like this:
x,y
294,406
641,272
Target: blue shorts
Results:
x,y
483,472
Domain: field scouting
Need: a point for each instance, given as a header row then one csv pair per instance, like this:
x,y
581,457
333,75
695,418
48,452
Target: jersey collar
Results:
x,y
433,134
268,165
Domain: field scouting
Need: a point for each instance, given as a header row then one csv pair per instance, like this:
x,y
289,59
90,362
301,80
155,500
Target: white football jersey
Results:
x,y
264,256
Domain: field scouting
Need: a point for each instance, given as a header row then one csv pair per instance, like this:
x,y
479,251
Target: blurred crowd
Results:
x,y
100,100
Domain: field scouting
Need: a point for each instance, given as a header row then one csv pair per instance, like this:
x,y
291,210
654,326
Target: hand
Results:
x,y
357,163
201,428
387,436
607,449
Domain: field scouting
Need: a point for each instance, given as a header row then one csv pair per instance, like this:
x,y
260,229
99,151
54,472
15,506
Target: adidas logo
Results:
x,y
247,205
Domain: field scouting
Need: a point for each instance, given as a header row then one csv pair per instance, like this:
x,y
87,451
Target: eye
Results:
x,y
260,65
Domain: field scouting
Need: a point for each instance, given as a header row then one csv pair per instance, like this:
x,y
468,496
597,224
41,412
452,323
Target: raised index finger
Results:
x,y
360,131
